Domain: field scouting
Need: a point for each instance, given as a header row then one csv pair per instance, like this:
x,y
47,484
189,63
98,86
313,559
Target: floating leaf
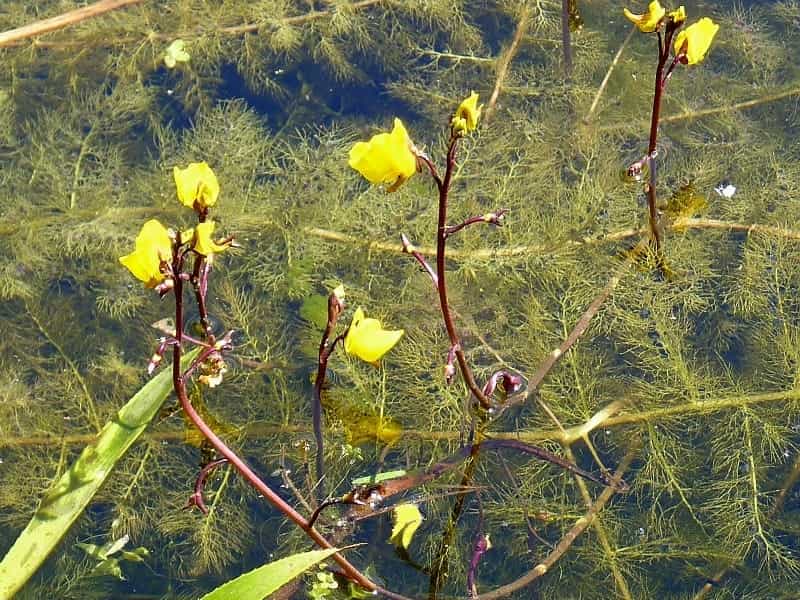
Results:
x,y
175,53
263,581
106,550
407,520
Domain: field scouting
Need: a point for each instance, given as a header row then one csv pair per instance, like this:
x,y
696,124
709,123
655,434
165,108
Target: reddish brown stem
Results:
x,y
492,218
409,248
664,45
326,347
441,284
179,384
196,499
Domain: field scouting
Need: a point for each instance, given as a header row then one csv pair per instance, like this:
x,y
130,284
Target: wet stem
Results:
x,y
443,185
661,79
179,385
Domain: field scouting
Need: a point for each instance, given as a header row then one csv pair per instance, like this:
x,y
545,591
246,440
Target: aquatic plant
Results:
x,y
689,381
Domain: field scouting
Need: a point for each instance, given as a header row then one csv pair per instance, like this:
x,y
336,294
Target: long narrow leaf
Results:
x,y
261,582
61,505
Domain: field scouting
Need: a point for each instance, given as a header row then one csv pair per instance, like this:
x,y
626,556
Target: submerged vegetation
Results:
x,y
685,381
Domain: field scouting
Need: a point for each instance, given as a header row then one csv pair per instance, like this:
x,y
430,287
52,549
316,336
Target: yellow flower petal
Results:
x,y
197,185
467,115
387,158
697,39
407,520
678,15
203,243
647,22
368,340
153,246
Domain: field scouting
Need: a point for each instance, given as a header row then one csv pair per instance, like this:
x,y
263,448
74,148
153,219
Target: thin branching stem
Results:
x,y
11,37
179,384
443,185
569,538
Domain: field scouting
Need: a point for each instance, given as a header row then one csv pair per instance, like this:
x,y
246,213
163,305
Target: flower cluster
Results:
x,y
391,158
690,45
151,260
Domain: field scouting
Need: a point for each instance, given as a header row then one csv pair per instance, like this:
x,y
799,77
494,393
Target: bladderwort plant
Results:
x,y
179,264
676,45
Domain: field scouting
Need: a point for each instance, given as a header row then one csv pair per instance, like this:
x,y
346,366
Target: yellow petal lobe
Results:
x,y
197,185
695,40
387,158
203,242
407,520
368,340
647,22
467,115
678,15
153,246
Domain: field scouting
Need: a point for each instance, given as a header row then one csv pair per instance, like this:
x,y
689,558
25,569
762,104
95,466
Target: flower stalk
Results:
x,y
443,186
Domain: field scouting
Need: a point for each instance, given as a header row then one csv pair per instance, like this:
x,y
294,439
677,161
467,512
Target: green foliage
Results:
x,y
63,503
705,363
265,580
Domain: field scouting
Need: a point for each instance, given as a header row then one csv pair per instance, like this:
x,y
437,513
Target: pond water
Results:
x,y
676,367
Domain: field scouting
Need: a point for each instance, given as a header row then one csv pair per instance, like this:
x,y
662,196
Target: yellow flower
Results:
x,y
197,185
386,158
647,22
202,242
467,115
695,40
678,16
153,246
368,340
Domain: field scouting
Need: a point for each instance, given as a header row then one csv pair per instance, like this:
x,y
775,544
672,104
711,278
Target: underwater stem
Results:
x,y
179,384
580,328
91,410
12,36
76,172
611,67
326,347
566,41
569,538
505,61
441,284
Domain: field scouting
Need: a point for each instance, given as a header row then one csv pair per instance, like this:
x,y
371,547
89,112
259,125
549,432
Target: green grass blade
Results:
x,y
261,582
62,504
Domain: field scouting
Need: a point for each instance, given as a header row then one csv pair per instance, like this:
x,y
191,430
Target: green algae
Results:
x,y
705,364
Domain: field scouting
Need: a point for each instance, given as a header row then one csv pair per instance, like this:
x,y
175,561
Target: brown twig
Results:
x,y
580,328
12,36
568,539
505,61
611,67
233,30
